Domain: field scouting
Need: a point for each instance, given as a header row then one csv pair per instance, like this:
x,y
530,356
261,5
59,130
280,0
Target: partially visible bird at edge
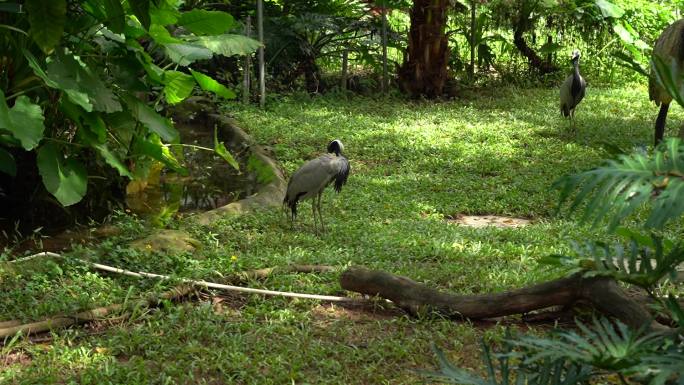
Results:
x,y
572,90
309,181
669,47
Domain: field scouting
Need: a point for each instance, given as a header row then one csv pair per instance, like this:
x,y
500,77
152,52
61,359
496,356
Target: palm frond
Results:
x,y
643,261
602,345
511,369
621,186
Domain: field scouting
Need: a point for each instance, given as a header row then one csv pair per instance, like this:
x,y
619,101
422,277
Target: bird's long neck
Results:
x,y
575,71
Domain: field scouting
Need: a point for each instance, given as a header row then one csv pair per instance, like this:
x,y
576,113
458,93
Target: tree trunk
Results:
x,y
424,71
533,59
311,75
473,25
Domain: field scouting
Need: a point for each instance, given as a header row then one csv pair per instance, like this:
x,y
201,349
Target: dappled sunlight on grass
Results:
x,y
413,166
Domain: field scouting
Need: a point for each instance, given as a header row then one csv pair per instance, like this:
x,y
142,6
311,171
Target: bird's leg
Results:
x,y
660,123
313,210
319,211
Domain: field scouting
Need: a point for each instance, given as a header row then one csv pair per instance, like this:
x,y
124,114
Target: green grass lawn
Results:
x,y
413,165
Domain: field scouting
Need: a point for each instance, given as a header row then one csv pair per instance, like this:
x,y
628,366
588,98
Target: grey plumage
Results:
x,y
309,181
572,90
669,46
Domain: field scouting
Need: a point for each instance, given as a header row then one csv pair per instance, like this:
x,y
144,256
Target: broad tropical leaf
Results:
x,y
609,9
47,19
177,86
162,13
141,10
93,132
203,22
66,179
162,36
617,189
227,44
155,149
7,163
109,12
186,54
24,121
76,79
211,85
220,149
151,119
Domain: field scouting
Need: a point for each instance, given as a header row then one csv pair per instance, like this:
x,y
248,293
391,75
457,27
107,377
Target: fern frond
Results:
x,y
601,345
621,186
556,371
643,261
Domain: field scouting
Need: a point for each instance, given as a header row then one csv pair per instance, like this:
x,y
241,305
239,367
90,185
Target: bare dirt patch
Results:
x,y
487,220
15,358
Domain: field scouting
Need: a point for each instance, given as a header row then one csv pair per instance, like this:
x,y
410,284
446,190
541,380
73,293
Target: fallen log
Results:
x,y
417,298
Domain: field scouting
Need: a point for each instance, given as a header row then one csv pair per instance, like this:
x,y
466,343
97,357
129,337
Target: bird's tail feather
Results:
x,y
342,175
292,203
565,110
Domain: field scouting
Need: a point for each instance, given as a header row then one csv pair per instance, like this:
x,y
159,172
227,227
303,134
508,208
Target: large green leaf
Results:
x,y
186,54
177,86
151,119
7,163
203,22
209,84
47,19
141,10
24,120
66,179
227,44
109,12
222,151
76,79
155,149
162,36
92,131
623,33
609,9
164,14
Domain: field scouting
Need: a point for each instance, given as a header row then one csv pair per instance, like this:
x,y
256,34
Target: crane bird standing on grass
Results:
x,y
670,45
572,90
314,176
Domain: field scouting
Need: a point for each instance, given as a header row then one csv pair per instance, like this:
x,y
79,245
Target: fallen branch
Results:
x,y
10,328
603,293
203,284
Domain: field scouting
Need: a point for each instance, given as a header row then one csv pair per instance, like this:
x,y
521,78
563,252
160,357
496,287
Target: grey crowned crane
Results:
x,y
670,45
572,90
309,181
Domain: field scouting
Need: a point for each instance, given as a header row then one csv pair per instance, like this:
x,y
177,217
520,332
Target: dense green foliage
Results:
x,y
76,80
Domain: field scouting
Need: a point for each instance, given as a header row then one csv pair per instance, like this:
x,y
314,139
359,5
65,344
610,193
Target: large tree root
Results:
x,y
416,298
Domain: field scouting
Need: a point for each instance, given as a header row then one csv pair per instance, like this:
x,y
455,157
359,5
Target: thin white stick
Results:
x,y
41,254
212,285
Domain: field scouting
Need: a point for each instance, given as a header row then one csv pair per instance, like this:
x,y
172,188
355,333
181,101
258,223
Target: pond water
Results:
x,y
211,182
